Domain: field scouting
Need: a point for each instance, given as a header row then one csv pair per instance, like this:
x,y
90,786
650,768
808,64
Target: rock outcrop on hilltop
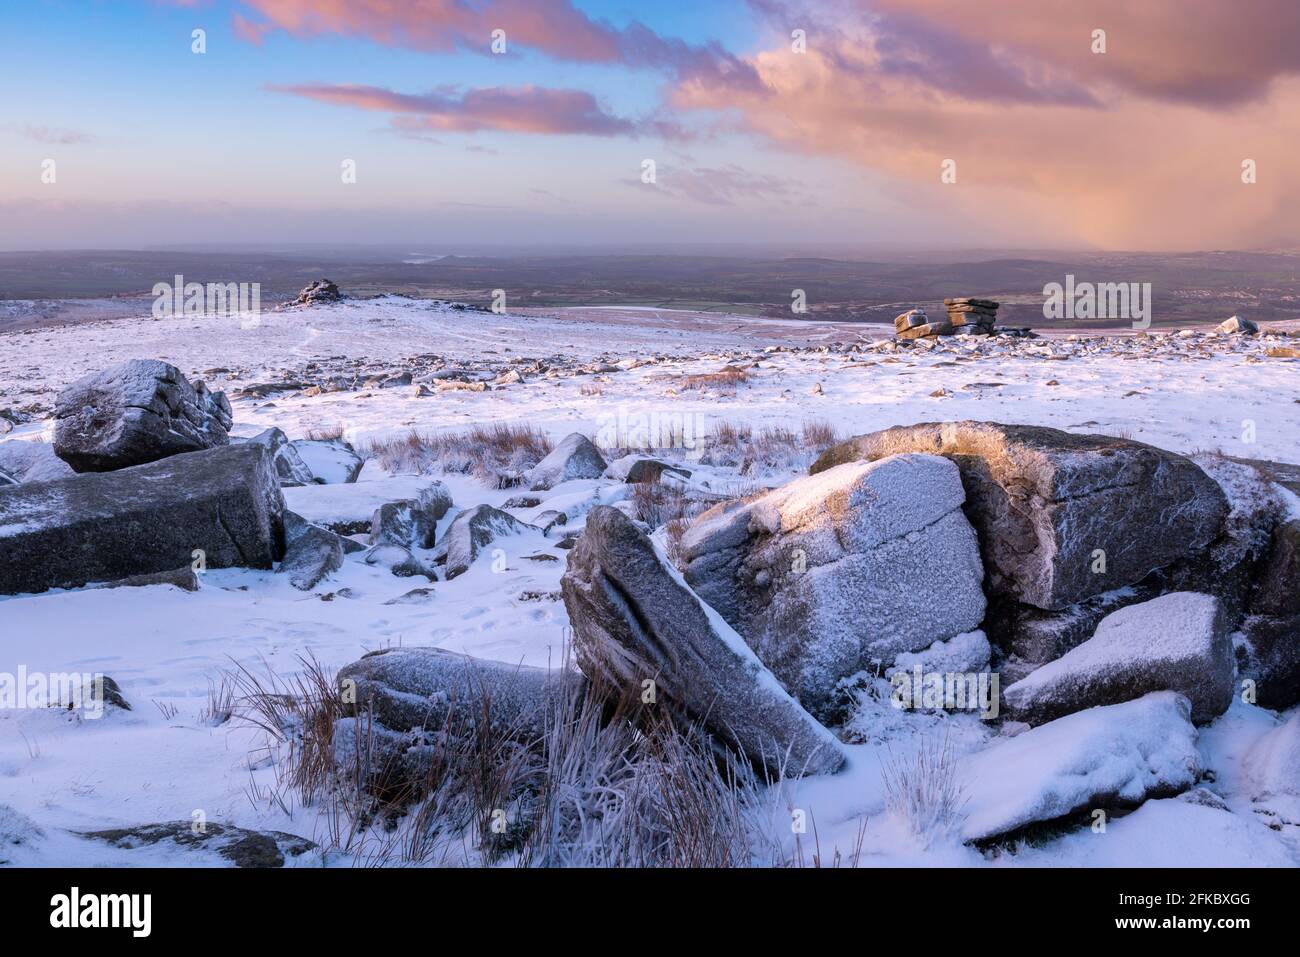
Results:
x,y
317,293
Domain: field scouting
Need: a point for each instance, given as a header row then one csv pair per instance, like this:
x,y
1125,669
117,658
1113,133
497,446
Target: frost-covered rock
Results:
x,y
1177,642
330,461
1237,325
349,509
474,530
289,465
1269,652
1115,756
1269,658
831,572
1049,504
1272,764
574,458
223,504
312,552
184,578
25,461
234,846
399,560
635,621
640,469
411,522
435,689
136,412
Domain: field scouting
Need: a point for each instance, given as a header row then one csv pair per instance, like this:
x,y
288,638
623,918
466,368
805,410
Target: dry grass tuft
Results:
x,y
740,446
662,503
925,792
496,453
724,380
325,433
600,785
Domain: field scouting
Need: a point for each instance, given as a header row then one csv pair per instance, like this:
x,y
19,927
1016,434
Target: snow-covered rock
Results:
x,y
311,552
217,843
331,461
136,412
638,469
411,522
474,530
349,509
1270,645
289,465
1177,642
222,504
436,689
1046,502
1237,325
26,461
319,292
1118,755
833,571
635,621
574,458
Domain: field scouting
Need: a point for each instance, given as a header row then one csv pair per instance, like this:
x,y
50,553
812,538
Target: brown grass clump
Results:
x,y
325,433
725,379
776,447
496,453
662,503
599,786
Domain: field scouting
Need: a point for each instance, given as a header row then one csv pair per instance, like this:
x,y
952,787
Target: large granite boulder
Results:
x,y
474,530
637,626
1048,504
1112,757
1177,642
574,458
224,503
832,572
136,412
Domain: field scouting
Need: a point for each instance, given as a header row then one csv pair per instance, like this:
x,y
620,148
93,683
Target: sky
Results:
x,y
1034,124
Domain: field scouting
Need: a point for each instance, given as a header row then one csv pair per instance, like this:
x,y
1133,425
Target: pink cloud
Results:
x,y
1133,148
554,27
56,135
528,109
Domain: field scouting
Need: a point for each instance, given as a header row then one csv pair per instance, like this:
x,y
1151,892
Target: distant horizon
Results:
x,y
721,248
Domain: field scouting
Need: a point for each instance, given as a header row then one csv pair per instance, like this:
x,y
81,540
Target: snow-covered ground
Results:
x,y
165,647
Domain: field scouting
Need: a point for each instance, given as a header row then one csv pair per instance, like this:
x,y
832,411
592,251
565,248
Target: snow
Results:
x,y
165,646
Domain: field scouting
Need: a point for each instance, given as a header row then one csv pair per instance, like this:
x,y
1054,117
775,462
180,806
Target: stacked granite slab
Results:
x,y
915,324
969,316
